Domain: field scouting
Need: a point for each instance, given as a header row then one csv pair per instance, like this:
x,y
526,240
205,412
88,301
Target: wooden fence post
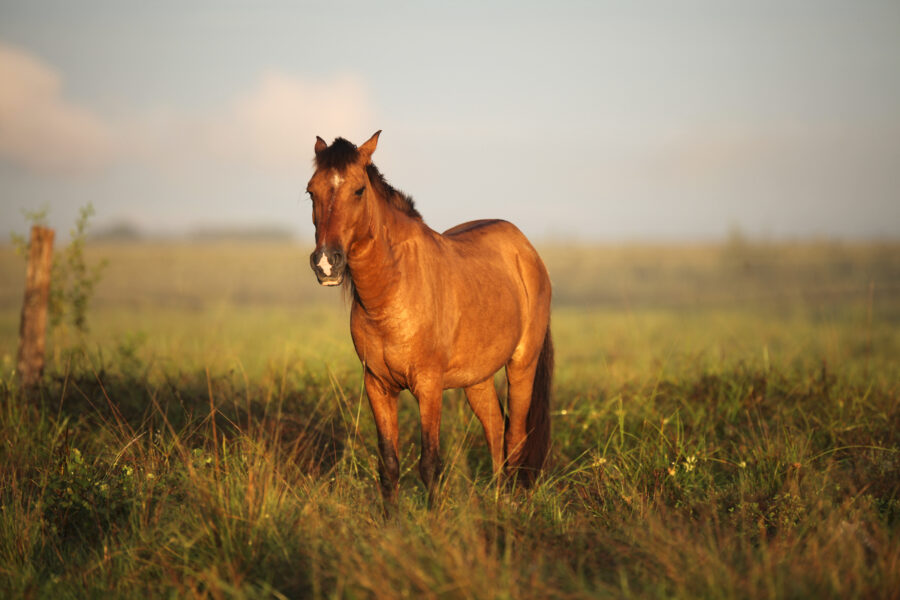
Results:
x,y
33,327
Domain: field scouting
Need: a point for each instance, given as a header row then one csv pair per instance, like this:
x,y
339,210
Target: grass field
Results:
x,y
725,425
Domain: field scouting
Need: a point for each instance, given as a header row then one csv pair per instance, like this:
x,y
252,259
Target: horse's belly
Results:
x,y
471,360
480,351
464,375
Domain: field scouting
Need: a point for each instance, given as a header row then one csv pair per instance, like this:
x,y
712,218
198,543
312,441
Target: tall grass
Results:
x,y
736,448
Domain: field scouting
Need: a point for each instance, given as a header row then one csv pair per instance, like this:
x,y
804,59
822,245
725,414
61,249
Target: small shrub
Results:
x,y
83,502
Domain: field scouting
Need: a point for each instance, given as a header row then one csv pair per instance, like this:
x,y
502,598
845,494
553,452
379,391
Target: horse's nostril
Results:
x,y
337,258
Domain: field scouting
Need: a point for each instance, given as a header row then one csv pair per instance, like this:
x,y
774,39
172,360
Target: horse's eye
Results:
x,y
360,191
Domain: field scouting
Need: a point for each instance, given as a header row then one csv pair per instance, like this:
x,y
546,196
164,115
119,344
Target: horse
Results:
x,y
433,311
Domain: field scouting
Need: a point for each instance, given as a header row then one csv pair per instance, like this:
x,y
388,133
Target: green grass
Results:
x,y
725,426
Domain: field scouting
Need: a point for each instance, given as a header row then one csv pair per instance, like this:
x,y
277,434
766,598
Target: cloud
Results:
x,y
39,128
270,126
275,124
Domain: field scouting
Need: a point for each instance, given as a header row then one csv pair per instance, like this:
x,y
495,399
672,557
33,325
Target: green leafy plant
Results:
x,y
73,279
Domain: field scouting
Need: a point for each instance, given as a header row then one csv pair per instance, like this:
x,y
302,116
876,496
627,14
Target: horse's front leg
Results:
x,y
384,408
429,392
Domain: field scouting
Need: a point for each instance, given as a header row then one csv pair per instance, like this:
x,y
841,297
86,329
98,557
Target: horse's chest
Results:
x,y
392,355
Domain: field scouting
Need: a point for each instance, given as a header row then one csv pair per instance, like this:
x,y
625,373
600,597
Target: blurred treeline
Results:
x,y
735,273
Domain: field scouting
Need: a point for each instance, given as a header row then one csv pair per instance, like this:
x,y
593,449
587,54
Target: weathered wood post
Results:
x,y
33,327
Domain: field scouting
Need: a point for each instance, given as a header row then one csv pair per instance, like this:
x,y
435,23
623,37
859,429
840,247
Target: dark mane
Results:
x,y
339,155
395,198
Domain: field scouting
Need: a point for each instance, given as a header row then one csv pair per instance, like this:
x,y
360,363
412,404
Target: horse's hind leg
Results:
x,y
521,380
530,376
483,400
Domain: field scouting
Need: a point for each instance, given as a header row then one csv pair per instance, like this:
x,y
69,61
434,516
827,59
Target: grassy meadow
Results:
x,y
726,424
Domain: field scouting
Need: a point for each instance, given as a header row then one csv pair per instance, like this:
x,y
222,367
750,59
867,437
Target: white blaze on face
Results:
x,y
336,180
325,265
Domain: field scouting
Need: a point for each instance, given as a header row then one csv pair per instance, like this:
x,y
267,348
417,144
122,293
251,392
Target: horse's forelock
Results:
x,y
339,155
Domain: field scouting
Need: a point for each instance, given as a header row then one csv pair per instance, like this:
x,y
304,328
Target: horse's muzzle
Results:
x,y
329,265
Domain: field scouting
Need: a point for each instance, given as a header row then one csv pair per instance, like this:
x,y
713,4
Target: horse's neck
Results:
x,y
377,265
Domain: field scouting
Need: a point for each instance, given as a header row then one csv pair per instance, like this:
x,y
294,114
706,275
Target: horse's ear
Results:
x,y
366,150
320,144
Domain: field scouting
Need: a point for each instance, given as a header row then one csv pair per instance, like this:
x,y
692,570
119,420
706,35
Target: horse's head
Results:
x,y
339,190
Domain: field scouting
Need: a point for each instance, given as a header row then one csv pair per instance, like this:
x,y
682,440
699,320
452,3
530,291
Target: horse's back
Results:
x,y
500,244
490,235
463,228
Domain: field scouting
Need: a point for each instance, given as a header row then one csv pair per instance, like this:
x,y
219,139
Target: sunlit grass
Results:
x,y
701,448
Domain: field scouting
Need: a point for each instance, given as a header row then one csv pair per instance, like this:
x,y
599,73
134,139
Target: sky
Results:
x,y
590,121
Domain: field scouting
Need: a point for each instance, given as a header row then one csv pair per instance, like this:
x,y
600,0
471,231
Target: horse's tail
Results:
x,y
537,423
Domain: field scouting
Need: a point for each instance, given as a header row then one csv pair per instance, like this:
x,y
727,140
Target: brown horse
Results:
x,y
435,311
